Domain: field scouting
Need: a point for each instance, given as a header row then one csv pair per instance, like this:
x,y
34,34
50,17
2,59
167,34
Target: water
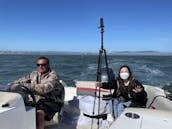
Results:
x,y
151,70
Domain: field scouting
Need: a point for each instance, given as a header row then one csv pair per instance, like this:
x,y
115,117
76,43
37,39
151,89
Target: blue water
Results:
x,y
151,70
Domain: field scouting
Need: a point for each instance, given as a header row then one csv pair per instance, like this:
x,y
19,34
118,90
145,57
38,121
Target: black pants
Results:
x,y
49,107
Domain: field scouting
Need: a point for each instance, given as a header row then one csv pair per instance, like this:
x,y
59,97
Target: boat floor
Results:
x,y
61,126
65,126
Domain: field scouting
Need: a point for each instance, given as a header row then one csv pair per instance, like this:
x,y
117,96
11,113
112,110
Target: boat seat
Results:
x,y
157,99
152,93
53,121
89,88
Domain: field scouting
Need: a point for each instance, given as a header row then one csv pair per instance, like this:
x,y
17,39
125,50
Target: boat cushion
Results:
x,y
90,88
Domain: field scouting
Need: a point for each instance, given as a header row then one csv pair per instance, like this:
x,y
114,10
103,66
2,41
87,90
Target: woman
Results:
x,y
128,91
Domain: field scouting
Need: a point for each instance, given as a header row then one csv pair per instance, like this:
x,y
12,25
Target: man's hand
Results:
x,y
14,85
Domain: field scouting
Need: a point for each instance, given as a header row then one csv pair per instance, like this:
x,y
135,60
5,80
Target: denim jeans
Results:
x,y
118,107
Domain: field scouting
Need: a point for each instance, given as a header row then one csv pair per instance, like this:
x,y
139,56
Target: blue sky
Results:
x,y
72,25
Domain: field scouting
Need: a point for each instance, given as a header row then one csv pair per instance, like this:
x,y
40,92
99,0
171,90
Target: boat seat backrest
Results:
x,y
153,93
89,88
157,99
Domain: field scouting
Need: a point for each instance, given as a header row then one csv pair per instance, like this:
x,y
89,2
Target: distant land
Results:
x,y
151,53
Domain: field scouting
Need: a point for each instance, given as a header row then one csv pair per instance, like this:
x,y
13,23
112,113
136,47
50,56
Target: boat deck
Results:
x,y
66,126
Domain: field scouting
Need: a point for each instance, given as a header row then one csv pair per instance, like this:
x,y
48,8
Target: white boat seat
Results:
x,y
90,88
53,121
157,99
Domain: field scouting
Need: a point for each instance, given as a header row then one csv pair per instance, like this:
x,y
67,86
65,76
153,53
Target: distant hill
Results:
x,y
152,53
44,53
141,53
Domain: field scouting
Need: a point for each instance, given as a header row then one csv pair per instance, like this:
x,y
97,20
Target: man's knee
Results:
x,y
40,114
40,119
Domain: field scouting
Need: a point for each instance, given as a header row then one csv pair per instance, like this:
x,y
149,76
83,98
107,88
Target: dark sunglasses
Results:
x,y
38,65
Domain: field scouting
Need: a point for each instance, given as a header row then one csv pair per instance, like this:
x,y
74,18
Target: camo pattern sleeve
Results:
x,y
43,84
24,81
40,84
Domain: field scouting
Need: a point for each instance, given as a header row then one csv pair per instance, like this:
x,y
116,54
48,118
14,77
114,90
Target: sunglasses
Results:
x,y
38,65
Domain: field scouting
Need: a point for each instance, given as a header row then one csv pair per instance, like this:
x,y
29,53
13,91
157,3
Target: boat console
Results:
x,y
13,112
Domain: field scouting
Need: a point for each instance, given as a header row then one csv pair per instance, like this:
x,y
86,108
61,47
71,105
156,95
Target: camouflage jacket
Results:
x,y
44,86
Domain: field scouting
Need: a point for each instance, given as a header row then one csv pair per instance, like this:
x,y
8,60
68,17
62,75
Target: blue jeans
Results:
x,y
118,107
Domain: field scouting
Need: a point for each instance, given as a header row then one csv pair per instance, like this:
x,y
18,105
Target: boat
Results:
x,y
14,114
86,107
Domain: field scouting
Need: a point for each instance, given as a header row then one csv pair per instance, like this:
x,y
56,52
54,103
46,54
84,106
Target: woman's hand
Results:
x,y
137,89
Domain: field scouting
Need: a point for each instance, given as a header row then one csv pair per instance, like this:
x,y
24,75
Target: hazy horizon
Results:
x,y
87,53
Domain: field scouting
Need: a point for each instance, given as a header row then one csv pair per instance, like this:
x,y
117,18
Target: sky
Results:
x,y
73,25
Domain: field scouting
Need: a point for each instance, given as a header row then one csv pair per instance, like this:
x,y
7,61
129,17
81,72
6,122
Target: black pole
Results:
x,y
102,31
102,52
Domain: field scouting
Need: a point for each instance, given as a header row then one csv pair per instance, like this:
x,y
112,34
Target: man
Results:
x,y
47,89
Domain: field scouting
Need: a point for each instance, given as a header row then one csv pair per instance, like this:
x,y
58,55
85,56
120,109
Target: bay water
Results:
x,y
150,70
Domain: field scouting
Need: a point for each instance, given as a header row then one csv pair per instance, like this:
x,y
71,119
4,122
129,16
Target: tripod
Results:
x,y
102,57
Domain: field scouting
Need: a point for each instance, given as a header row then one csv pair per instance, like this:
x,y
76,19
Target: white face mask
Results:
x,y
124,75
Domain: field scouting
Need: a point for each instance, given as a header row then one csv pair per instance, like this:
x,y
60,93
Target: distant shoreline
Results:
x,y
136,53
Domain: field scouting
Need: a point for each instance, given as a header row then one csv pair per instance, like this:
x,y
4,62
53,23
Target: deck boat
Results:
x,y
84,107
158,113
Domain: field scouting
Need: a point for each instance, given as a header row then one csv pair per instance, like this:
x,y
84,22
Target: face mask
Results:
x,y
124,75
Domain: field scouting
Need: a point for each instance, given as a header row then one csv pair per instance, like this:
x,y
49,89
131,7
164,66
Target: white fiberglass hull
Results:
x,y
14,114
